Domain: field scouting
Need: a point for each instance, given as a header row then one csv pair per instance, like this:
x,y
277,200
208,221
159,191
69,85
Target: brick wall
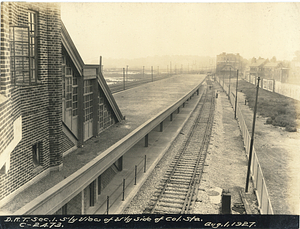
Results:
x,y
39,104
53,35
6,124
5,56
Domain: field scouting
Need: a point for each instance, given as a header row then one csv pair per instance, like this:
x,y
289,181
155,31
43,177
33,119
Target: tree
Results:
x,y
297,54
273,59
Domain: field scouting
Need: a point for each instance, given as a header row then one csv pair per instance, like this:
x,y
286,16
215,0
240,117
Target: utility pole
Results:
x,y
124,78
152,72
143,71
236,92
229,85
252,137
168,70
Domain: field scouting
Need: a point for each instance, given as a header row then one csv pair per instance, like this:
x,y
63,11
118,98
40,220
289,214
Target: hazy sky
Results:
x,y
133,30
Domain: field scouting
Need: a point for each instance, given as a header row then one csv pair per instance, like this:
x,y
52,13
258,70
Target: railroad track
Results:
x,y
177,191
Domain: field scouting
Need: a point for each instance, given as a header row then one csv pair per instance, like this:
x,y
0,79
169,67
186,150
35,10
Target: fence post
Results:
x,y
262,192
229,85
135,174
123,190
145,165
107,204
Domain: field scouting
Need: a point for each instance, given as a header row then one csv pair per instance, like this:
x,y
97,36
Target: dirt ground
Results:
x,y
279,156
226,164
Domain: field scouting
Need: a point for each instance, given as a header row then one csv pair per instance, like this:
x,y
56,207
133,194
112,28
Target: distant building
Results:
x,y
294,74
50,101
276,71
227,62
256,69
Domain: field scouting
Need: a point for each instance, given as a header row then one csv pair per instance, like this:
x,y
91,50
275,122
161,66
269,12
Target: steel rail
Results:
x,y
184,155
178,159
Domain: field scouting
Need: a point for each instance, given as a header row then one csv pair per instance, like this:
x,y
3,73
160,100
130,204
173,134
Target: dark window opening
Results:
x,y
2,170
64,209
92,194
37,153
99,185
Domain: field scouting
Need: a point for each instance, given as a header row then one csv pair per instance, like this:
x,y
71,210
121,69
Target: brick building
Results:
x,y
228,62
50,101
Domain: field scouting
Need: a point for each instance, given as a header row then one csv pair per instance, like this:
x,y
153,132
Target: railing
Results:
x,y
120,192
256,171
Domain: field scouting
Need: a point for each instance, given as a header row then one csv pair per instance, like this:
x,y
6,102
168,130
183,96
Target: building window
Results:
x,y
88,100
75,95
19,48
37,153
68,87
32,24
63,77
23,46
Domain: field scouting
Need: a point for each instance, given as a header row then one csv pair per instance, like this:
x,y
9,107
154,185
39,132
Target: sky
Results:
x,y
136,30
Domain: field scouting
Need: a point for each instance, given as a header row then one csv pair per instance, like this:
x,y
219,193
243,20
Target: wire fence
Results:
x,y
119,79
259,183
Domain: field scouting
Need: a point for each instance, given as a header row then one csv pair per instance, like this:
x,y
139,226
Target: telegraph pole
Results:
x,y
252,137
236,92
124,78
143,71
229,85
152,72
168,70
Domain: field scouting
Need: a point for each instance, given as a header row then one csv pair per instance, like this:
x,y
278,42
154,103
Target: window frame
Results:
x,y
33,59
14,56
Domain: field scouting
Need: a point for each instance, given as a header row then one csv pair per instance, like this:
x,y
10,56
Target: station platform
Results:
x,y
138,105
159,143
